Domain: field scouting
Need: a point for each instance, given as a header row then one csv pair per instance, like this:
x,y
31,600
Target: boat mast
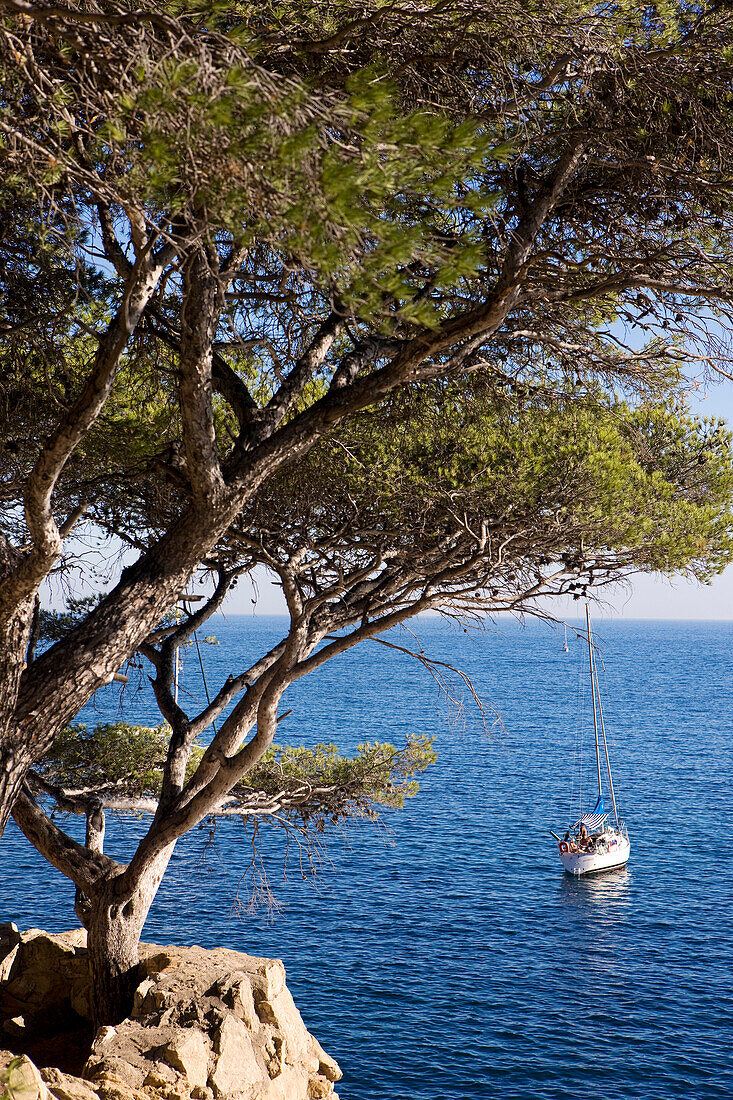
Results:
x,y
608,762
593,689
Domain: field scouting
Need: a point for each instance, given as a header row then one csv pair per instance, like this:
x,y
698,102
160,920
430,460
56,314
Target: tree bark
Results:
x,y
13,771
15,633
113,936
115,922
113,901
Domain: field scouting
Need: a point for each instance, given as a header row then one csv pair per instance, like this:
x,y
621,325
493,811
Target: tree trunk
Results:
x,y
114,925
113,938
13,770
15,632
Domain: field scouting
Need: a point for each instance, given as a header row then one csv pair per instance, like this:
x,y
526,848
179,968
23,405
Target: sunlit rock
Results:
x,y
205,1025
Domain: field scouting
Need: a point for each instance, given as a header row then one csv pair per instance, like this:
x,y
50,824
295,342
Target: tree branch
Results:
x,y
202,304
86,868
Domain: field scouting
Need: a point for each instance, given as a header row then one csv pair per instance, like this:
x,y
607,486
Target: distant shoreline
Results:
x,y
598,617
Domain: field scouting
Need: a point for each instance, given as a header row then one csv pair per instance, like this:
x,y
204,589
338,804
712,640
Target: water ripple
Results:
x,y
453,959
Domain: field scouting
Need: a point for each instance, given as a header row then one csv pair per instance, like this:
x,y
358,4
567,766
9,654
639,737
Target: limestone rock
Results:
x,y
205,1025
202,1093
189,1053
236,1063
9,940
161,1076
109,1086
317,1087
63,1086
143,1002
238,996
21,1078
45,974
15,1027
327,1066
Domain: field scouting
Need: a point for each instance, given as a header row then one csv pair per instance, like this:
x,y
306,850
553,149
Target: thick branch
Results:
x,y
85,868
303,370
58,448
202,304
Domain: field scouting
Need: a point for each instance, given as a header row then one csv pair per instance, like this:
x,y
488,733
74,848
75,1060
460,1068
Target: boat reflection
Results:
x,y
597,908
604,890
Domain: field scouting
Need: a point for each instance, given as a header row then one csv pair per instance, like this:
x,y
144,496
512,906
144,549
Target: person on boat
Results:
x,y
569,841
583,838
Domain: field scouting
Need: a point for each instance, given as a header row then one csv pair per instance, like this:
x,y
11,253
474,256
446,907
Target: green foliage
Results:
x,y
117,756
315,785
321,786
55,624
38,377
355,170
498,188
647,487
365,164
344,179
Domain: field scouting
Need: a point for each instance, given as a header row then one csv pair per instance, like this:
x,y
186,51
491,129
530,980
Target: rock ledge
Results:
x,y
205,1025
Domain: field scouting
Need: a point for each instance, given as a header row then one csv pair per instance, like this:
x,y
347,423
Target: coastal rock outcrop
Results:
x,y
205,1025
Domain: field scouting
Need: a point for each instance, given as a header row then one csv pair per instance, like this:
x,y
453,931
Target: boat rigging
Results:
x,y
593,843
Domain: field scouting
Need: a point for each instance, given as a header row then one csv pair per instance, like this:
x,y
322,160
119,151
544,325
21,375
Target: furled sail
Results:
x,y
595,818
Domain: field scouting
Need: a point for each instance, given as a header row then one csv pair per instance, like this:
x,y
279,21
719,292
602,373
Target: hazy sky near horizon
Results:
x,y
646,598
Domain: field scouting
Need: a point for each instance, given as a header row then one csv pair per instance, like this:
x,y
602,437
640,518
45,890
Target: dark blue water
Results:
x,y
447,957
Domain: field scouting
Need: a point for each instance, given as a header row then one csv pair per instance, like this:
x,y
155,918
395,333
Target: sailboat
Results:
x,y
593,843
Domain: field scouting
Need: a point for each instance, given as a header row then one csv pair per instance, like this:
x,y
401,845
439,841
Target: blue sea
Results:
x,y
446,955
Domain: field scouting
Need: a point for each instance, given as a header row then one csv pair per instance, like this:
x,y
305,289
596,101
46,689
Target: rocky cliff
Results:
x,y
207,1025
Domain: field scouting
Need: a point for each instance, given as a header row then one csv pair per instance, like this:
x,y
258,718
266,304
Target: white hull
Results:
x,y
613,852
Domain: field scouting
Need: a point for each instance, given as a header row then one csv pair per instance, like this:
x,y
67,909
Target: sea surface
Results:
x,y
446,955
